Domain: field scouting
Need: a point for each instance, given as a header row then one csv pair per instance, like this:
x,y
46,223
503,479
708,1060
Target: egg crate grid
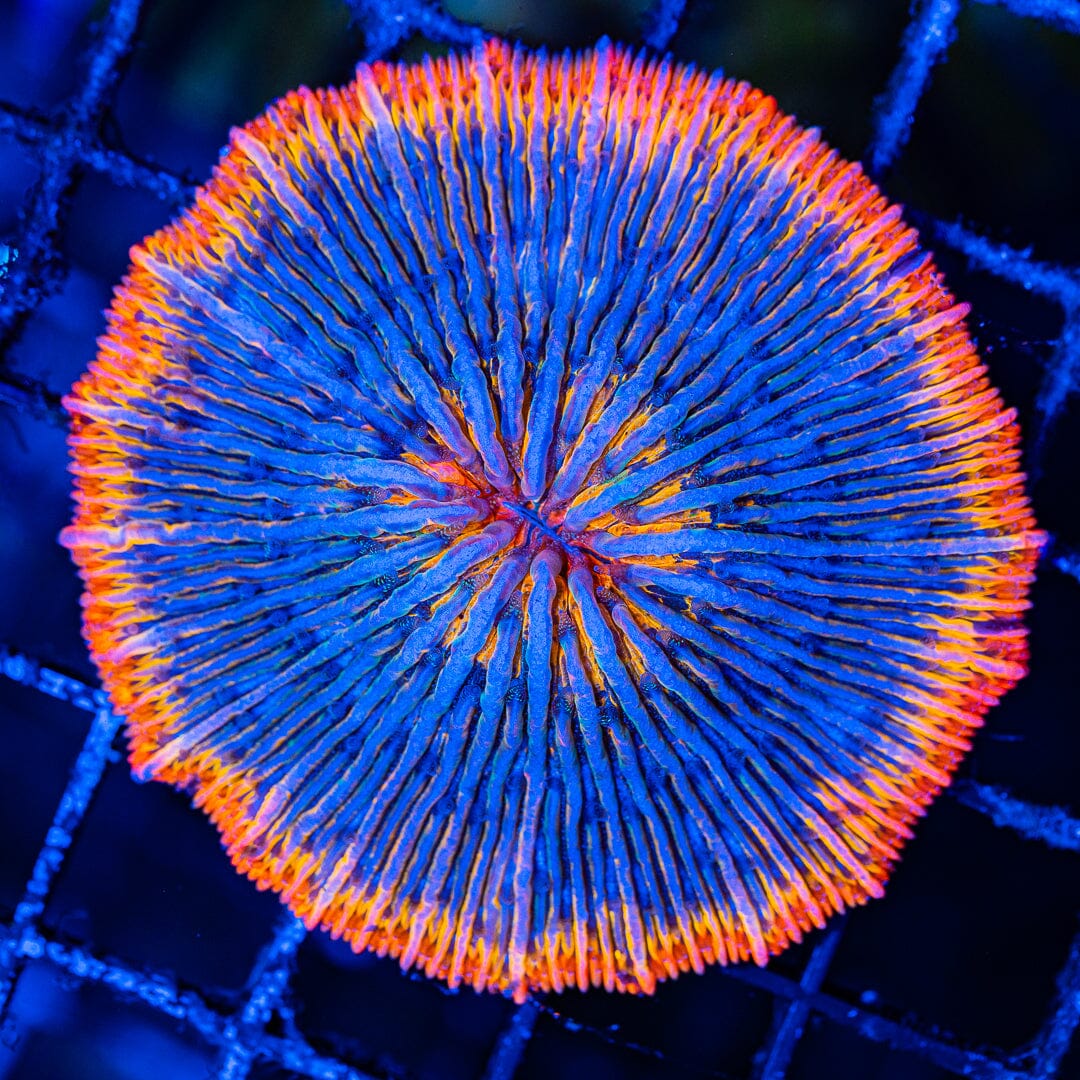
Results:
x,y
255,1028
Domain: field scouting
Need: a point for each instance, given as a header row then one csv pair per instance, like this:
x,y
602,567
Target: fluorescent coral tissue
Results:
x,y
550,514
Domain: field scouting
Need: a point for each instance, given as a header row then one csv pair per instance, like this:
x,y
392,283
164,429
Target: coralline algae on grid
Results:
x,y
550,514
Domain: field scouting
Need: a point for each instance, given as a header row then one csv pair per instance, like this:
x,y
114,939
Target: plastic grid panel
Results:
x,y
262,1028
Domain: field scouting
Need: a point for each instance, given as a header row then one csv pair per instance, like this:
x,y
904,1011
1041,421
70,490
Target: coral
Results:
x,y
550,514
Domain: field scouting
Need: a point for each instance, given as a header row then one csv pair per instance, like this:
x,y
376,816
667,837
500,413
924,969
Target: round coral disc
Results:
x,y
550,514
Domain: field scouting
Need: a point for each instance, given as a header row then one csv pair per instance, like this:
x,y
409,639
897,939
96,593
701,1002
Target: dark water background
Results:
x,y
976,922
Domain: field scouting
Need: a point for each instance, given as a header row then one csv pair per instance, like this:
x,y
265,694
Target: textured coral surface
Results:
x,y
550,514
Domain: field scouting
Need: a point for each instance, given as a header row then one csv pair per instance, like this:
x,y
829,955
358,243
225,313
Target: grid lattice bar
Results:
x,y
1060,380
925,40
775,1055
662,23
1064,14
1050,824
25,670
269,983
163,994
39,266
1054,1040
385,24
512,1041
31,398
86,775
1056,283
117,36
935,1048
1068,562
607,1035
124,170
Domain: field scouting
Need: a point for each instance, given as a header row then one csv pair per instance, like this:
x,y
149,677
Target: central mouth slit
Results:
x,y
533,518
